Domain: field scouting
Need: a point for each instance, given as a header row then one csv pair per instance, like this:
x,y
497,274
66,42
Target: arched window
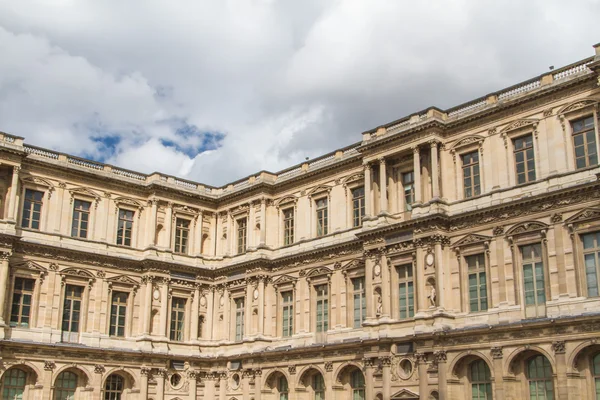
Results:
x,y
65,386
13,384
282,388
357,383
539,376
481,382
113,388
596,372
318,387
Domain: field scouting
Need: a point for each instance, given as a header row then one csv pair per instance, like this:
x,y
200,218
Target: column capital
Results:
x,y
386,361
5,255
381,160
16,169
420,358
145,371
367,165
433,143
440,356
162,372
368,362
416,149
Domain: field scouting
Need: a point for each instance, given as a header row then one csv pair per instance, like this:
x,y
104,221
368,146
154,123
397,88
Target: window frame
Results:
x,y
184,319
44,203
362,301
326,298
353,208
126,316
325,210
82,312
133,238
594,130
404,280
24,388
291,307
571,113
32,305
241,242
90,230
471,167
286,203
486,270
241,312
189,228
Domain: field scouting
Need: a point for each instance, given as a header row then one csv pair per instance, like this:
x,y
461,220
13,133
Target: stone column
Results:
x,y
328,378
198,235
383,198
435,177
98,372
246,375
147,304
151,229
498,375
248,309
417,173
368,194
144,372
222,385
250,226
439,272
164,307
4,270
440,359
210,312
258,384
369,380
49,367
160,376
225,333
263,222
561,370
421,359
369,264
14,188
261,305
169,225
385,286
193,378
195,313
386,364
209,386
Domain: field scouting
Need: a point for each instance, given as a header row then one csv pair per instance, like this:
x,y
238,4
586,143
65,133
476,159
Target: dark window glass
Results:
x,y
471,180
358,206
118,311
584,142
125,227
32,209
81,219
20,312
182,234
288,226
524,159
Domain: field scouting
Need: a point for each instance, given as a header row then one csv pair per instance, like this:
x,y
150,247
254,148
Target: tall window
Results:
x,y
478,300
241,234
481,381
71,313
408,186
177,318
318,385
596,372
539,376
32,209
591,256
584,141
358,206
239,319
357,383
13,384
406,291
182,234
81,218
471,181
118,310
113,388
125,227
288,226
65,386
524,159
360,301
322,218
322,308
282,388
287,313
533,275
21,304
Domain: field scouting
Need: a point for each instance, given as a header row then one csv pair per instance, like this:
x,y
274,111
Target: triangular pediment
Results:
x,y
30,265
521,123
471,239
77,272
285,200
318,190
128,201
577,105
84,192
123,279
584,215
405,394
531,226
348,265
468,140
318,271
353,178
284,279
37,181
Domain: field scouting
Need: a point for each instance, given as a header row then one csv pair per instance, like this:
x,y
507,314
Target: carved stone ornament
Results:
x,y
328,366
99,369
496,352
377,270
498,230
440,356
558,347
49,365
292,369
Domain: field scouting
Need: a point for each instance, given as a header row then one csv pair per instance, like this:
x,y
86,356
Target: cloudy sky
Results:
x,y
216,90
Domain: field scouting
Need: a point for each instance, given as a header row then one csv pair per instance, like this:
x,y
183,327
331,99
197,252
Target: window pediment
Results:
x,y
126,201
576,106
77,274
521,124
286,201
471,239
355,178
284,279
467,141
315,272
405,394
37,181
321,190
85,193
527,227
180,209
123,279
30,265
588,214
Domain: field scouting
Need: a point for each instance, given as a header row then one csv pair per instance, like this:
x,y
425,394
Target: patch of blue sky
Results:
x,y
193,140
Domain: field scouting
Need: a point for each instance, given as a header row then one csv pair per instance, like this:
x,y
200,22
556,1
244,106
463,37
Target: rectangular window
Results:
x,y
71,313
524,159
358,206
478,300
408,185
288,226
182,234
406,291
287,313
124,227
533,275
584,142
32,209
177,319
118,309
471,181
239,319
322,222
81,218
591,257
360,301
322,308
21,304
241,235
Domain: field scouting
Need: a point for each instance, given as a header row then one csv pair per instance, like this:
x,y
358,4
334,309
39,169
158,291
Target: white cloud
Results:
x,y
282,79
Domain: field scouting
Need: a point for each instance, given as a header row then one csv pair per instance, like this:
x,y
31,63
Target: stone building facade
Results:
x,y
451,254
